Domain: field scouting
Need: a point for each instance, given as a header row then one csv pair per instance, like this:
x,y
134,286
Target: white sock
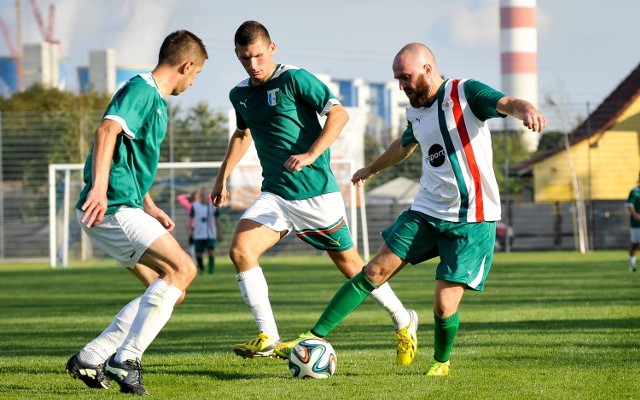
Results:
x,y
632,261
255,293
156,306
99,349
387,299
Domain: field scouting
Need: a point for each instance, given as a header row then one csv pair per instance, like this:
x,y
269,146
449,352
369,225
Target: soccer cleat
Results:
x,y
407,339
128,375
632,269
92,375
438,368
262,346
283,350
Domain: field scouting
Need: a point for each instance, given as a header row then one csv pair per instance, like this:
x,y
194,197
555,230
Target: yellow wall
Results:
x,y
607,172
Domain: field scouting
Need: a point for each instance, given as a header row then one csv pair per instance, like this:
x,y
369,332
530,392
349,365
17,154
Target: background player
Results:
x,y
207,229
633,205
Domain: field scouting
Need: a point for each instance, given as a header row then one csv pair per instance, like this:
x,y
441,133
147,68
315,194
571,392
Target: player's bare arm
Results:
x,y
524,111
393,155
238,146
337,118
104,143
156,212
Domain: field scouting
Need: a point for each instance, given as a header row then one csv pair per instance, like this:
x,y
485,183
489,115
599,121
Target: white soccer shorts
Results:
x,y
279,214
125,235
634,235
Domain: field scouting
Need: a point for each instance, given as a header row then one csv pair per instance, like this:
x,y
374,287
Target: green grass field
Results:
x,y
548,326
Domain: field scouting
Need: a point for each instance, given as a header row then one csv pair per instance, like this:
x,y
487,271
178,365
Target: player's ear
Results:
x,y
186,66
273,47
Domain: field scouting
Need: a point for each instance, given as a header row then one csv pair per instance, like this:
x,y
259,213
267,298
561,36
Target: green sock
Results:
x,y
212,264
200,264
445,331
346,299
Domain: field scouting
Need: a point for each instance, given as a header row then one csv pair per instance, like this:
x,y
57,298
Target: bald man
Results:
x,y
453,215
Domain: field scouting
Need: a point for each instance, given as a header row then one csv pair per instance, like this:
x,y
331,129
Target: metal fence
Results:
x,y
30,141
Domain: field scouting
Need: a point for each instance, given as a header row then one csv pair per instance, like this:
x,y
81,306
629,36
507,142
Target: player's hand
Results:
x,y
297,161
94,207
360,176
219,194
162,217
534,120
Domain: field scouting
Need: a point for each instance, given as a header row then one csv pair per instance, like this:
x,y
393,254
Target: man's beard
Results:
x,y
421,93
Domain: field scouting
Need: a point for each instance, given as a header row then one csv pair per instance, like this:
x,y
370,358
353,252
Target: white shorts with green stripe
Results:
x,y
319,221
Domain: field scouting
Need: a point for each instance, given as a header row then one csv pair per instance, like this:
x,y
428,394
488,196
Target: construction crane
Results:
x,y
45,29
15,48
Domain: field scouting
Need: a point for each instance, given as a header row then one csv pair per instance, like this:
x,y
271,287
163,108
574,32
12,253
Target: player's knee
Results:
x,y
378,274
444,309
238,254
186,269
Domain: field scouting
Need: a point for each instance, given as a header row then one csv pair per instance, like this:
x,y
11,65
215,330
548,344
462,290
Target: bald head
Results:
x,y
415,69
415,53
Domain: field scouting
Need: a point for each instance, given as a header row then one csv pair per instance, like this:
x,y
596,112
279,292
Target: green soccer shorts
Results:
x,y
465,248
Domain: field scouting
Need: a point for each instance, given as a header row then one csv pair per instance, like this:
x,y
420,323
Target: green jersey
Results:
x,y
282,115
141,110
634,200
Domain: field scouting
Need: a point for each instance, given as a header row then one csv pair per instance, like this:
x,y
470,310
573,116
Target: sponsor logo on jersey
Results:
x,y
436,155
272,96
447,104
244,103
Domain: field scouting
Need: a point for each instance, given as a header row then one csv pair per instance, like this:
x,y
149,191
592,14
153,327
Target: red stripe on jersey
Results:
x,y
517,17
468,150
328,231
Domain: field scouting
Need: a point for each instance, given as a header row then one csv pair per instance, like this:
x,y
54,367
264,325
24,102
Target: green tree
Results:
x,y
511,146
410,168
42,126
199,134
550,141
50,126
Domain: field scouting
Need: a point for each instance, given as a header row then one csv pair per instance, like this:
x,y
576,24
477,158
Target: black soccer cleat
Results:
x,y
92,375
128,375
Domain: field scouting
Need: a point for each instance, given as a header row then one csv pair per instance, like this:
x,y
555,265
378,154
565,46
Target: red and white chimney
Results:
x,y
519,54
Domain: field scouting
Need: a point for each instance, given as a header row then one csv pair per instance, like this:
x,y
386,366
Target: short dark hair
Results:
x,y
250,32
180,46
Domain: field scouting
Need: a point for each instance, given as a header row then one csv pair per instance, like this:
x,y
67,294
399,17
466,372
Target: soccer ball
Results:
x,y
313,358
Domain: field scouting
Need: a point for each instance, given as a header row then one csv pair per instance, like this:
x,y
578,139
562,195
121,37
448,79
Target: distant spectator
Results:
x,y
186,202
207,229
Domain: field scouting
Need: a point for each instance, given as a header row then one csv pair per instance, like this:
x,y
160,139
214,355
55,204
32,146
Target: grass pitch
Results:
x,y
548,326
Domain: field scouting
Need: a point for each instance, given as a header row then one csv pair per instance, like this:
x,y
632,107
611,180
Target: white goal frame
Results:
x,y
355,194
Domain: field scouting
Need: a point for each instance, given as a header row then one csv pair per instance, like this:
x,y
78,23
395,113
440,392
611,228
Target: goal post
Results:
x,y
65,184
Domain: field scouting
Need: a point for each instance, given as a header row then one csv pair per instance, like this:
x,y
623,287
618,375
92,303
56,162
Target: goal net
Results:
x,y
67,242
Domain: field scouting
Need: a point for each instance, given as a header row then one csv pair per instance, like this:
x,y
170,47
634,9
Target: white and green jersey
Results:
x,y
634,200
458,183
282,115
141,111
204,217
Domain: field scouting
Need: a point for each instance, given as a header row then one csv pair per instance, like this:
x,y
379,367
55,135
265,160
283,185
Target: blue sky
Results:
x,y
585,48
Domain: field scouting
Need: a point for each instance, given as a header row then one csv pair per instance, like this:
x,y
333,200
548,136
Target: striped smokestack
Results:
x,y
519,52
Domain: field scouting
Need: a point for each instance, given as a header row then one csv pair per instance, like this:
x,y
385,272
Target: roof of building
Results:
x,y
599,121
400,190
